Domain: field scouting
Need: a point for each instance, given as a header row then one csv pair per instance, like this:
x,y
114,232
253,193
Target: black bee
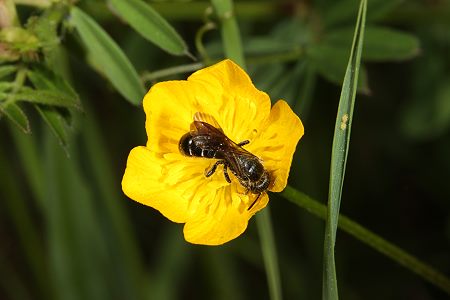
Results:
x,y
206,140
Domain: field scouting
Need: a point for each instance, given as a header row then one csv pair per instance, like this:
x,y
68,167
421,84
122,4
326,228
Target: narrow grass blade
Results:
x,y
148,23
19,212
371,239
339,153
120,235
26,149
108,57
269,251
171,253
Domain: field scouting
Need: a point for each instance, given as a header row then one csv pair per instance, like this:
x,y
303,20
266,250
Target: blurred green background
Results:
x,y
68,232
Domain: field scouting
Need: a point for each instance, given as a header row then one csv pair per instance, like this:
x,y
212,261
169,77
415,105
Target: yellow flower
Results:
x,y
160,176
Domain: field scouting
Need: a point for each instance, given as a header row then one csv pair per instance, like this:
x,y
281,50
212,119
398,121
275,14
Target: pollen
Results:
x,y
344,121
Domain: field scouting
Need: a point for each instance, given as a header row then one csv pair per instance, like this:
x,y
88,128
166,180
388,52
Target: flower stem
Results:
x,y
208,26
269,252
152,76
371,239
230,31
288,56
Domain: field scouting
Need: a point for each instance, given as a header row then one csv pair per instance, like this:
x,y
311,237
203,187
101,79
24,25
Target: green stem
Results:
x,y
18,83
208,26
152,76
231,36
269,251
281,57
371,239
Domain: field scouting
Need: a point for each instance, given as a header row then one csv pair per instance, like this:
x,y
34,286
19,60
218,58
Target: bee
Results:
x,y
209,141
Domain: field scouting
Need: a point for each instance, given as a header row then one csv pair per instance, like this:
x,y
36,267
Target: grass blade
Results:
x,y
148,23
19,212
130,272
371,239
108,57
339,153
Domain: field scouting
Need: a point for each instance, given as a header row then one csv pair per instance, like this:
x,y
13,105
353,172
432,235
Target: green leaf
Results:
x,y
108,57
6,86
56,122
45,79
148,23
339,153
7,70
331,62
16,115
380,43
56,117
47,97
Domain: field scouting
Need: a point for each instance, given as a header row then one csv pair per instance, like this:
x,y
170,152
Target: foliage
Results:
x,y
68,232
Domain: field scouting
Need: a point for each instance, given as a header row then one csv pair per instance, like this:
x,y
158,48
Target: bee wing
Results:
x,y
207,118
199,128
205,124
234,160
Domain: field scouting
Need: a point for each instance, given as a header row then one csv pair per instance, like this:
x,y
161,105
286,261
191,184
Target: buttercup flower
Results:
x,y
161,176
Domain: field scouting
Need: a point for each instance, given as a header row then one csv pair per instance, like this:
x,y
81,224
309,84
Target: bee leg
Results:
x,y
243,143
225,173
214,167
254,202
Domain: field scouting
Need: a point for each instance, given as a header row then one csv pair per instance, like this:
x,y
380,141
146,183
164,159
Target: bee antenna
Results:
x,y
254,202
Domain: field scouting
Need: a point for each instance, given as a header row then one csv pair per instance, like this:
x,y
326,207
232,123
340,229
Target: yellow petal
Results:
x,y
221,219
223,91
170,107
241,109
161,177
143,183
186,175
276,143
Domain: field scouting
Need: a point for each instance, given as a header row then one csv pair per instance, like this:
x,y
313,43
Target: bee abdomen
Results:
x,y
189,147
